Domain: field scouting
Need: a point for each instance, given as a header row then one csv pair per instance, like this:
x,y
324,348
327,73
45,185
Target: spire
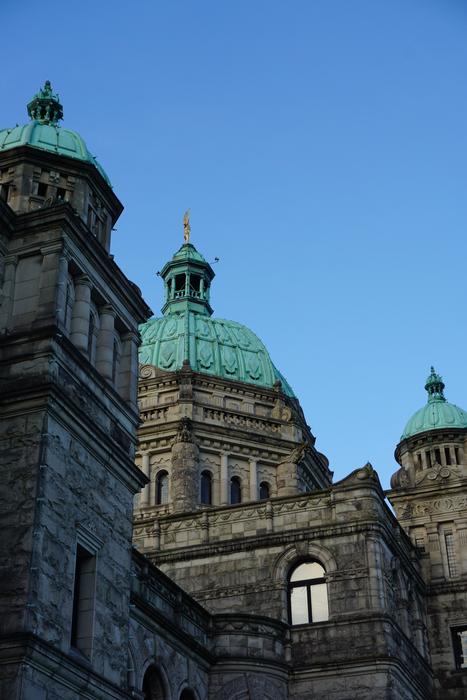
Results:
x,y
435,387
45,106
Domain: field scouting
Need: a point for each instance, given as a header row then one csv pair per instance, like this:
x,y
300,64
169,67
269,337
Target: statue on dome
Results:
x,y
186,227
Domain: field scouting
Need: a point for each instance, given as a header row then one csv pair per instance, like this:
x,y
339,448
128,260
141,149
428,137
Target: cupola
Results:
x,y
437,412
187,279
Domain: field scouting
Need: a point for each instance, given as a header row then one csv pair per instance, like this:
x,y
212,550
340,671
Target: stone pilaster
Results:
x,y
185,470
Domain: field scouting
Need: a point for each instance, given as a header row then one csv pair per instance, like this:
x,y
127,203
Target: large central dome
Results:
x,y
187,332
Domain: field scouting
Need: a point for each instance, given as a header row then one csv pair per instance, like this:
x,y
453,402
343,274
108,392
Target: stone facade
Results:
x,y
209,557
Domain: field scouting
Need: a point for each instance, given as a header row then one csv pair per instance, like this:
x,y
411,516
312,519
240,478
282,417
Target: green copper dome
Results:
x,y
437,413
187,332
44,132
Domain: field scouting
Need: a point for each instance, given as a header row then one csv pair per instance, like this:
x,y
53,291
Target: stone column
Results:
x,y
47,304
105,342
253,480
185,470
8,290
224,483
146,492
81,311
128,371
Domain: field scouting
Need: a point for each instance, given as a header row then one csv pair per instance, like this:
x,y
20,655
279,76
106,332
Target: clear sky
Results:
x,y
322,148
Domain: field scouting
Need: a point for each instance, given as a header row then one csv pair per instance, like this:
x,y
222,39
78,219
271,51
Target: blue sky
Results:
x,y
322,148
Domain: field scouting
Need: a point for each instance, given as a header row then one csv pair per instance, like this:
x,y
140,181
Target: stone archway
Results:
x,y
153,687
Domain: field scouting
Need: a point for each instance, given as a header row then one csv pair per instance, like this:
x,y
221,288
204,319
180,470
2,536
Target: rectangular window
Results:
x,y
447,454
428,459
4,192
456,452
83,601
451,554
419,460
61,193
438,455
41,189
459,642
420,543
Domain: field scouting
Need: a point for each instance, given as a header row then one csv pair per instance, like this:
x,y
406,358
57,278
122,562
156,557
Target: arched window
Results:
x,y
235,490
263,491
206,488
187,695
152,685
162,488
308,595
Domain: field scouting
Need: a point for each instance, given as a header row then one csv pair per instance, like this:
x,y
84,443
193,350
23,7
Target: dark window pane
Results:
x,y
263,490
235,490
206,488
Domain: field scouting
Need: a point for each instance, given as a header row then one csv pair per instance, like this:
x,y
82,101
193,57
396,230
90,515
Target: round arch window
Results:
x,y
264,491
162,488
206,488
235,490
153,688
308,595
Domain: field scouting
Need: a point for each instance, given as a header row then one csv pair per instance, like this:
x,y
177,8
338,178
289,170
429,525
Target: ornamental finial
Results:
x,y
186,227
45,106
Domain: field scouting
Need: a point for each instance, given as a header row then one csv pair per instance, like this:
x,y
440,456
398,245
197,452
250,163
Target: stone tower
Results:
x,y
229,428
68,356
429,496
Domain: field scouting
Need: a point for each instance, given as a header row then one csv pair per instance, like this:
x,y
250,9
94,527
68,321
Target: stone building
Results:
x,y
253,574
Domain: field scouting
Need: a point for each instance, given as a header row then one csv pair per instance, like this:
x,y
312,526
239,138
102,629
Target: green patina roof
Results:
x,y
44,132
437,413
187,331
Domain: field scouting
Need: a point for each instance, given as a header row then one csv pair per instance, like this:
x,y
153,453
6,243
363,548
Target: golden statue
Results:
x,y
186,226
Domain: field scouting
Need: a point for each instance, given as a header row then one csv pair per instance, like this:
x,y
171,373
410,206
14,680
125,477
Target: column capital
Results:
x,y
84,281
108,310
132,336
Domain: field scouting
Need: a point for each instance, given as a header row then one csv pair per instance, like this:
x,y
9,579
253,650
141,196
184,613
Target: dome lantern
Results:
x,y
45,106
435,387
187,279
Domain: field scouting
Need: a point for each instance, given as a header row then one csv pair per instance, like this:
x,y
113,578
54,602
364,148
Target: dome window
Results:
x,y
263,491
162,488
206,488
235,490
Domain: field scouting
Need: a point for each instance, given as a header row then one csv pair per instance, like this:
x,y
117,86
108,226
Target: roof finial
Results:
x,y
45,106
435,387
186,227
